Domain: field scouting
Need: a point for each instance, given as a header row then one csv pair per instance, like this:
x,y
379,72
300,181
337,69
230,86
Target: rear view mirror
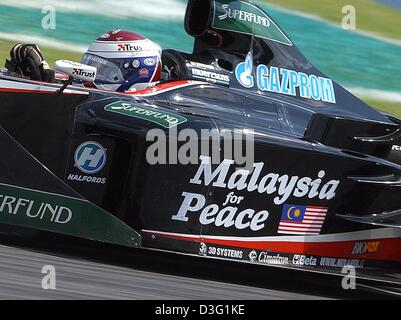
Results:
x,y
76,70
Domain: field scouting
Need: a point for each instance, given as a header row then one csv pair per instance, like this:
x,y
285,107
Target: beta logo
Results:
x,y
90,157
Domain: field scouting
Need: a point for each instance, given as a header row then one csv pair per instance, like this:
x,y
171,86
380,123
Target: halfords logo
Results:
x,y
88,179
232,13
284,81
83,73
90,157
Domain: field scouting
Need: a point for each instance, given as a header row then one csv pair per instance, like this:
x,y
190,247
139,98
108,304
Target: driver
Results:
x,y
125,61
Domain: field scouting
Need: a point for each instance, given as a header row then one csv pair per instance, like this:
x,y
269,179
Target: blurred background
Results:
x,y
367,60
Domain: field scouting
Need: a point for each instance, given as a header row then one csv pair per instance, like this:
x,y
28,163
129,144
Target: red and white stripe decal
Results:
x,y
40,87
165,87
333,245
46,88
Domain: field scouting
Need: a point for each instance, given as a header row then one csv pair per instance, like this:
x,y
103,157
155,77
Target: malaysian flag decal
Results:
x,y
303,220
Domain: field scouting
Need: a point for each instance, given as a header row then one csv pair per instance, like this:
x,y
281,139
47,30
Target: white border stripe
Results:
x,y
382,233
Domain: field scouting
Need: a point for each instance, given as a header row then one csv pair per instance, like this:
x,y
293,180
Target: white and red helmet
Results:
x,y
125,61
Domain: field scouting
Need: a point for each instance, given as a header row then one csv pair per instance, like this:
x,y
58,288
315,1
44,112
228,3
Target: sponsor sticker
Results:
x,y
366,247
279,187
268,258
83,73
149,62
244,17
226,217
90,157
193,64
285,81
88,179
304,261
136,63
144,73
163,118
128,47
340,263
62,214
220,252
211,76
202,249
253,255
39,209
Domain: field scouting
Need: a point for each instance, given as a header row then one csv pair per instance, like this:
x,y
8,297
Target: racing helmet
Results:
x,y
125,61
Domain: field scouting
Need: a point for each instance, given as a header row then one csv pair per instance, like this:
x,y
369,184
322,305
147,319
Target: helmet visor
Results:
x,y
107,71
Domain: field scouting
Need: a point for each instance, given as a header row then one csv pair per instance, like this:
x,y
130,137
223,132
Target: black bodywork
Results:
x,y
294,138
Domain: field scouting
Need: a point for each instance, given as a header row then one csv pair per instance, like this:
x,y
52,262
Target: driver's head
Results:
x,y
125,61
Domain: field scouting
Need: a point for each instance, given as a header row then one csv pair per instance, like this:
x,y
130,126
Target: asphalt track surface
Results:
x,y
90,271
20,278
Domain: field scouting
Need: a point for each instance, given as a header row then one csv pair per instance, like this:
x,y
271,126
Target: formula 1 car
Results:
x,y
323,190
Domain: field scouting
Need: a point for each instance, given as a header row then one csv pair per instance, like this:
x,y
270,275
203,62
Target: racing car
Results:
x,y
323,190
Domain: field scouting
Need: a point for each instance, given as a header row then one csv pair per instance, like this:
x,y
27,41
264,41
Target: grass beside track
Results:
x,y
390,107
371,16
51,55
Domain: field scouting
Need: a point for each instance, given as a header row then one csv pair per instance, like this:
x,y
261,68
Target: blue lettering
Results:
x,y
294,82
327,90
284,81
274,83
315,87
262,73
304,87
